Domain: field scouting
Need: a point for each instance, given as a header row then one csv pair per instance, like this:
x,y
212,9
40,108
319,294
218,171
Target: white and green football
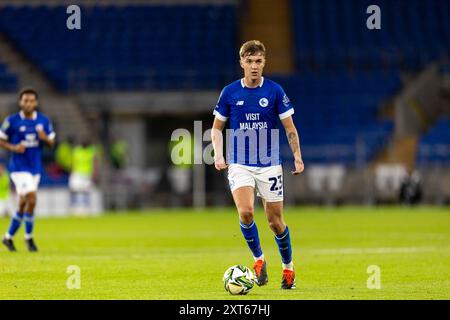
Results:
x,y
238,279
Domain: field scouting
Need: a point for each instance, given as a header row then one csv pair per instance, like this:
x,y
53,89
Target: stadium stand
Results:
x,y
8,81
434,145
343,73
337,114
136,47
328,34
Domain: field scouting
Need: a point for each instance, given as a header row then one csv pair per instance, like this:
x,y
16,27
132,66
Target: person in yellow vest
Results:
x,y
179,173
6,206
81,176
63,155
118,153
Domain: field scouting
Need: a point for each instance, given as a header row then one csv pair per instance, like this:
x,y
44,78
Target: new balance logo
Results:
x,y
240,103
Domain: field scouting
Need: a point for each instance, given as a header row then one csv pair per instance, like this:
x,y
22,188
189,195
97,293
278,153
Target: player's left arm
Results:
x,y
285,111
294,143
46,134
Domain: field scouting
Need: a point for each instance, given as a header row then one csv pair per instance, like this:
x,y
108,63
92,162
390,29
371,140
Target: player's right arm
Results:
x,y
4,132
217,142
221,113
17,148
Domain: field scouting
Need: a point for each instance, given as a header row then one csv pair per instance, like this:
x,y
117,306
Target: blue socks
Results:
x,y
250,232
29,224
16,221
284,246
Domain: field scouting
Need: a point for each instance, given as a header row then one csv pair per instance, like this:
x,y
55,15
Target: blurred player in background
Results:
x,y
81,176
254,105
63,154
180,174
6,208
24,134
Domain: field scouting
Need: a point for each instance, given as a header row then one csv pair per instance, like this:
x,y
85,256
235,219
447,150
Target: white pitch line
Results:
x,y
381,250
151,253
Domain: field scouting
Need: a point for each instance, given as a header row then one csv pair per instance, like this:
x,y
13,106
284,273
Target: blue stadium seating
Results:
x,y
337,109
337,114
133,47
333,33
8,81
434,145
345,70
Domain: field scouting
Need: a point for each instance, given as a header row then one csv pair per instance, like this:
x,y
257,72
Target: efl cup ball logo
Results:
x,y
263,102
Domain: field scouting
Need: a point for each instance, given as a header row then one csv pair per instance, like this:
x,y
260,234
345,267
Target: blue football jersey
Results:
x,y
16,129
253,137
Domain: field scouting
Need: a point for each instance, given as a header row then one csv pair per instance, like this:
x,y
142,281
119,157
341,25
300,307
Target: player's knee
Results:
x,y
246,214
276,225
31,199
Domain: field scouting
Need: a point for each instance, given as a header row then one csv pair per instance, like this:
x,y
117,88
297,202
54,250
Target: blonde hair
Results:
x,y
252,47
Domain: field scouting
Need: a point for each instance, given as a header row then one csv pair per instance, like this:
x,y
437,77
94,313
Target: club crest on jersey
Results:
x,y
286,100
263,102
22,128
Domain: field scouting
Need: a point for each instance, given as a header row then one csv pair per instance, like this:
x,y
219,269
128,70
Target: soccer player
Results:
x,y
81,176
254,104
24,134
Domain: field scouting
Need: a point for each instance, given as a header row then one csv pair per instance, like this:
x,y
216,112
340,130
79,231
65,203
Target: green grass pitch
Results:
x,y
182,254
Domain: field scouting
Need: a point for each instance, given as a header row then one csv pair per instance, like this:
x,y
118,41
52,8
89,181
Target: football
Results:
x,y
238,279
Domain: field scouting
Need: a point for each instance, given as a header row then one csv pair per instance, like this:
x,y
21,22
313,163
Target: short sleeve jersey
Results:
x,y
253,137
18,129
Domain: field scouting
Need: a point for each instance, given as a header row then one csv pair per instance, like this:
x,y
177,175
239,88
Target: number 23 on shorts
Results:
x,y
277,183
